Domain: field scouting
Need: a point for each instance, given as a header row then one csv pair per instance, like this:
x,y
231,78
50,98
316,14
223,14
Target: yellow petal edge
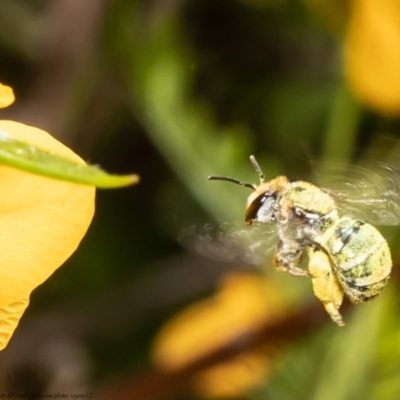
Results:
x,y
6,96
42,221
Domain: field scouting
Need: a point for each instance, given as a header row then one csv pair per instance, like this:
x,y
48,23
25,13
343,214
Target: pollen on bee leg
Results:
x,y
325,284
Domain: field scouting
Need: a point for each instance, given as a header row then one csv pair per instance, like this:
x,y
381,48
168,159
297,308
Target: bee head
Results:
x,y
260,205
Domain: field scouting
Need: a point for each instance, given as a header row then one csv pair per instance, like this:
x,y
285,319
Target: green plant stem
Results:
x,y
341,134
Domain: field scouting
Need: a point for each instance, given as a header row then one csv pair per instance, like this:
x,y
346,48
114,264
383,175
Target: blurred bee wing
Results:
x,y
370,193
229,243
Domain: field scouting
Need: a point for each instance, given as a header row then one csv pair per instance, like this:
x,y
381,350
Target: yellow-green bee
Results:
x,y
346,255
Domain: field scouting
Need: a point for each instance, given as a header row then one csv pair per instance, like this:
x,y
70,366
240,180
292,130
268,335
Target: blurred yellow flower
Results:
x,y
372,54
42,221
235,377
243,304
6,96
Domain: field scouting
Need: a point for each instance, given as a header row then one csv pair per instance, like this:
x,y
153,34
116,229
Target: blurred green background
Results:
x,y
176,90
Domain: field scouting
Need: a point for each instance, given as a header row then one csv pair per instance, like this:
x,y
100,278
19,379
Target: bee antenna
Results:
x,y
258,169
233,180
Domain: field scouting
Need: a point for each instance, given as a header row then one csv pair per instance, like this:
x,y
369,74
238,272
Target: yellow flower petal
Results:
x,y
6,96
42,221
9,318
372,54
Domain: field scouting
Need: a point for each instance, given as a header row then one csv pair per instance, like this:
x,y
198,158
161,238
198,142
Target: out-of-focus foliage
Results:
x,y
179,90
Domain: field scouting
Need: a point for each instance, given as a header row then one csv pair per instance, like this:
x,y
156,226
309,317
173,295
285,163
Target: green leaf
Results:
x,y
26,157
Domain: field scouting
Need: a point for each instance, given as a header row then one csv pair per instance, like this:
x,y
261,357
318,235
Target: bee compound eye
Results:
x,y
266,211
253,208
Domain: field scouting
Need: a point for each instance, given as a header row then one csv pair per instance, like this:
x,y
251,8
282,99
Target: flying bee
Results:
x,y
345,255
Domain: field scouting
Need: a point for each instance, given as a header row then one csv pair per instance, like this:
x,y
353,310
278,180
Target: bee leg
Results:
x,y
325,284
288,256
